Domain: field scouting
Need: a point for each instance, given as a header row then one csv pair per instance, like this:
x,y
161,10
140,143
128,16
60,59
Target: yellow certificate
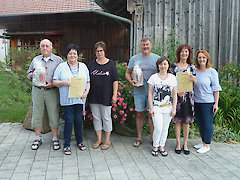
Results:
x,y
77,87
184,82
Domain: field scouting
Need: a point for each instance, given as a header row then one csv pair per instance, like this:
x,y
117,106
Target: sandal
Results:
x,y
82,147
97,144
56,145
137,143
178,151
67,151
36,144
186,151
154,153
162,153
105,146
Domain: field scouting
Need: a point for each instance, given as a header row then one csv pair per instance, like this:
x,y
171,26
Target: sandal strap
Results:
x,y
81,146
56,144
67,149
138,141
37,142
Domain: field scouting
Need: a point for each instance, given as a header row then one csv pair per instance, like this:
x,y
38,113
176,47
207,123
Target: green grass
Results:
x,y
14,100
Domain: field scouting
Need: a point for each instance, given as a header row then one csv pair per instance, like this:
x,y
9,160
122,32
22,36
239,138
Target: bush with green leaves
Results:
x,y
20,57
168,48
228,114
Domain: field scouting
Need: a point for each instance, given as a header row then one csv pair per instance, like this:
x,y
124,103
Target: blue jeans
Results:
x,y
72,114
204,116
140,102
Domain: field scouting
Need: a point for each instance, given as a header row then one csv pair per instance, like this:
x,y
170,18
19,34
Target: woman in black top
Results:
x,y
103,92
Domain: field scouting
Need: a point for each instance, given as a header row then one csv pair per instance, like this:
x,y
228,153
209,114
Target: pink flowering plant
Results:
x,y
123,111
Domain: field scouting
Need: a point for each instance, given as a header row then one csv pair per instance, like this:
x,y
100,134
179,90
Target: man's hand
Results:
x,y
49,85
133,83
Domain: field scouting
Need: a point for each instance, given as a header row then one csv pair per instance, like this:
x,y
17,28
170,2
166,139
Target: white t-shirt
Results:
x,y
162,90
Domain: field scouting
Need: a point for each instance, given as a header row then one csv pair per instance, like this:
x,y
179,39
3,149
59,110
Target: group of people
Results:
x,y
101,75
100,85
166,104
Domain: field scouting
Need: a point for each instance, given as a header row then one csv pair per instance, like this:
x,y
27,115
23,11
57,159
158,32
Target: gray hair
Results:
x,y
45,40
145,40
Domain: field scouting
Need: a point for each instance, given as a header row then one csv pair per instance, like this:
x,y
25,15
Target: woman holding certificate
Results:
x,y
72,78
206,95
184,114
103,93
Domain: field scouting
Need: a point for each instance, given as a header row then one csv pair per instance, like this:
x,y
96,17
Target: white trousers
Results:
x,y
102,119
161,123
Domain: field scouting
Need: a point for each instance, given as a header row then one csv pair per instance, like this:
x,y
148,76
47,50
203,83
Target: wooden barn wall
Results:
x,y
84,29
212,25
115,36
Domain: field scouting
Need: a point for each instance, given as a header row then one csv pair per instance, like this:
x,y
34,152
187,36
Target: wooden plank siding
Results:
x,y
83,29
213,25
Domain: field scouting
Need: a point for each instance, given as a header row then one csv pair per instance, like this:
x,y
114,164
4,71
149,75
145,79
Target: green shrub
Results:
x,y
14,100
229,101
224,134
169,48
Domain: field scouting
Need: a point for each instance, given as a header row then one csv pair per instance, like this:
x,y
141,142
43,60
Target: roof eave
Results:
x,y
49,12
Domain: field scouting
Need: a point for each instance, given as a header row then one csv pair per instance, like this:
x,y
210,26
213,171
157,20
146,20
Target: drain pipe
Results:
x,y
118,18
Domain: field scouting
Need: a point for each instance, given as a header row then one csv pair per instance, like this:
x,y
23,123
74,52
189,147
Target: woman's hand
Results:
x,y
215,108
151,112
181,94
84,94
114,98
173,112
65,83
193,78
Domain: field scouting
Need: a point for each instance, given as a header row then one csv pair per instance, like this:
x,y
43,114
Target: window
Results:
x,y
34,41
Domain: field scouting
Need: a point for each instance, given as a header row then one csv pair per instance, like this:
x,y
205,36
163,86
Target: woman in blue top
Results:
x,y
72,107
206,95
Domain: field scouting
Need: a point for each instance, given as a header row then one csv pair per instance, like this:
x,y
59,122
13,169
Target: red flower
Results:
x,y
90,116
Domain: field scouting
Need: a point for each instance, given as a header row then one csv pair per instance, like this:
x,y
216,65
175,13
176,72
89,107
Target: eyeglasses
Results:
x,y
99,51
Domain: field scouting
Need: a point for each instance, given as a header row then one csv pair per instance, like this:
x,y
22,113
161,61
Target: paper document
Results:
x,y
77,87
184,82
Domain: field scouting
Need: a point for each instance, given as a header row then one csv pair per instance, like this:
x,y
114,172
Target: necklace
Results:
x,y
74,70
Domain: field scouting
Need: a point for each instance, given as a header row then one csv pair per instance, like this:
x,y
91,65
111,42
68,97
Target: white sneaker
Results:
x,y
198,146
203,149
